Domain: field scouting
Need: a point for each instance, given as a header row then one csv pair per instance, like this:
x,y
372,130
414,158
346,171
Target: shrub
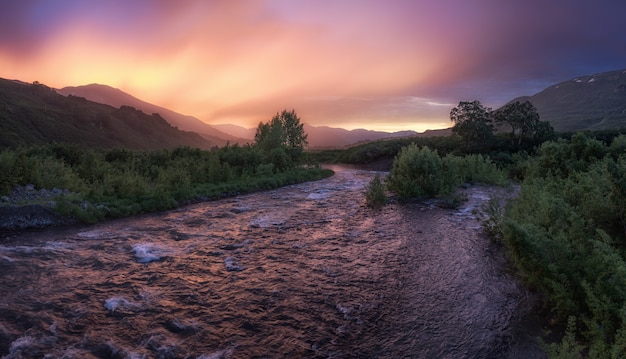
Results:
x,y
375,193
123,182
420,172
566,234
492,224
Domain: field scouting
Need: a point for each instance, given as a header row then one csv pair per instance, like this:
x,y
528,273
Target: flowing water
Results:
x,y
306,271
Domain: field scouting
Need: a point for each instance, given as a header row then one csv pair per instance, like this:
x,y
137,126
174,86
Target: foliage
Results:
x,y
122,182
284,131
418,172
375,193
473,123
523,118
569,348
493,222
422,172
566,233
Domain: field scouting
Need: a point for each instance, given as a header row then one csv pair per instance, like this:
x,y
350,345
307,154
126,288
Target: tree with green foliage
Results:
x,y
284,131
473,123
523,119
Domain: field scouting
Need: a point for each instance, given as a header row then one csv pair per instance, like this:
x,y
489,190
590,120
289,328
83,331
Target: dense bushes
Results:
x,y
121,182
567,234
422,172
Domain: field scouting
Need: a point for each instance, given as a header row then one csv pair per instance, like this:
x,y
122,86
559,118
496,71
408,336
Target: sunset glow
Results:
x,y
391,65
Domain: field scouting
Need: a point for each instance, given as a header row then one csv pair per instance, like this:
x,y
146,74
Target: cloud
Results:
x,y
344,61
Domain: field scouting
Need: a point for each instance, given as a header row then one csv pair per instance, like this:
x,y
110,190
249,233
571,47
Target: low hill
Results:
x,y
594,102
34,114
324,136
114,97
319,136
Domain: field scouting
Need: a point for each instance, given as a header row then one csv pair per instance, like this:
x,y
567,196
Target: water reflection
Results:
x,y
306,271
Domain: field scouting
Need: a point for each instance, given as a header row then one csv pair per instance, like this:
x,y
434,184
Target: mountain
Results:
x,y
34,114
594,102
319,137
114,97
237,131
323,136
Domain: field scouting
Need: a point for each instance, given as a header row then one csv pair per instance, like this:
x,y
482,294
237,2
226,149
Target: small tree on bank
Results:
x,y
473,123
283,132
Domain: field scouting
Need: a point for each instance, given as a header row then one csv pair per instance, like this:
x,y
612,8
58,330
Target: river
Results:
x,y
305,271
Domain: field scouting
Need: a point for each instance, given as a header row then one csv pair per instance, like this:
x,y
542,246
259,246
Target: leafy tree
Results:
x,y
283,131
523,118
270,135
473,123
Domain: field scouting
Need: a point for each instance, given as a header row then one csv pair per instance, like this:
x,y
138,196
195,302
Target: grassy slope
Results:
x,y
596,102
36,114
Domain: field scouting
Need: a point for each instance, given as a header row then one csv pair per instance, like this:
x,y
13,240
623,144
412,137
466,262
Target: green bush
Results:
x,y
421,172
566,233
375,193
123,182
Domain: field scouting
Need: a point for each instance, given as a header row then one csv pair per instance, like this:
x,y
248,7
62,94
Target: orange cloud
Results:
x,y
226,61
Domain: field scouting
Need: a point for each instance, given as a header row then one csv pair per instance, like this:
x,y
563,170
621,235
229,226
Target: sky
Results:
x,y
375,64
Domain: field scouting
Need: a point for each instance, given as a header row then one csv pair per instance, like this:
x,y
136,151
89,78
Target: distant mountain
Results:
x,y
323,136
237,131
594,102
34,114
114,97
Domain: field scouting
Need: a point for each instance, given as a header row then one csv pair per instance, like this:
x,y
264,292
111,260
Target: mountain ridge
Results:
x,y
325,136
591,102
115,97
319,136
34,114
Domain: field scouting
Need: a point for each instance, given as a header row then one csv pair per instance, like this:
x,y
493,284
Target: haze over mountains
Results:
x,y
114,97
593,102
317,136
102,116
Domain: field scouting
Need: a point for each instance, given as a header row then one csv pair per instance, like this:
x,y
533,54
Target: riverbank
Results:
x,y
28,208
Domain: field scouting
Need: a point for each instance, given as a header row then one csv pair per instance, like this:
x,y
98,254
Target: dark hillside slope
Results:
x,y
115,97
34,114
595,102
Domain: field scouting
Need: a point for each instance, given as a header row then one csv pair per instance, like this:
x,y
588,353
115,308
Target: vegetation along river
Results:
x,y
305,271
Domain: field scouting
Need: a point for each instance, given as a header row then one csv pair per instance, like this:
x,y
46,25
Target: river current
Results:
x,y
305,271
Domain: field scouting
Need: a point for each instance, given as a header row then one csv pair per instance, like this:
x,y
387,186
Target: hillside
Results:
x,y
594,102
36,114
117,98
326,137
319,137
323,136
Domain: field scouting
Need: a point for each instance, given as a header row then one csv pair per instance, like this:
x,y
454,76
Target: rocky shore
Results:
x,y
29,208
